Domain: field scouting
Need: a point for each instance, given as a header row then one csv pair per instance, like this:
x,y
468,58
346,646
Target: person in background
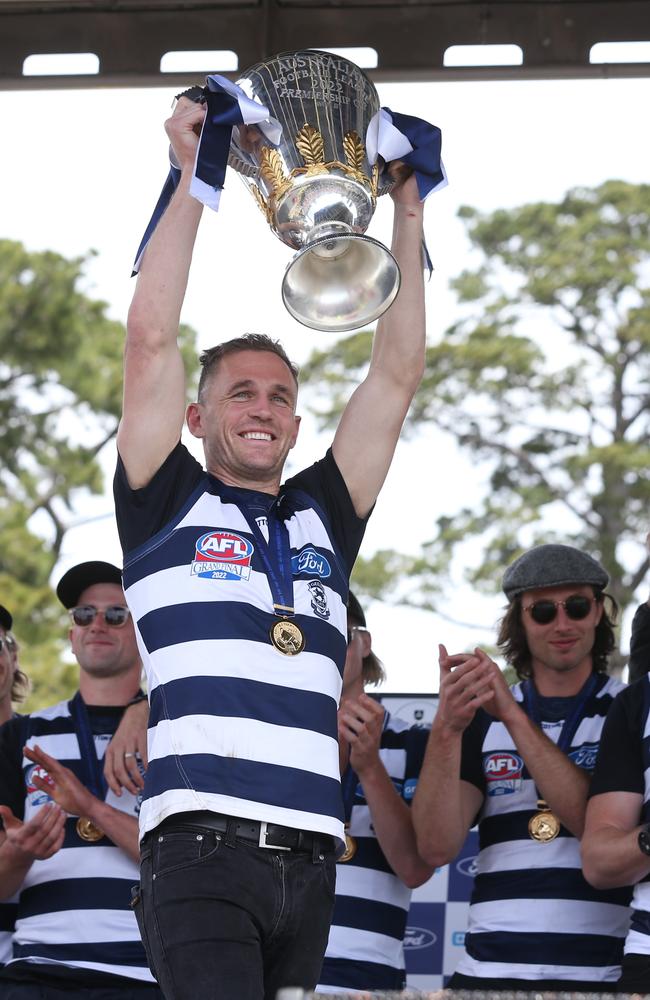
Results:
x,y
381,864
639,659
616,840
14,686
69,848
519,762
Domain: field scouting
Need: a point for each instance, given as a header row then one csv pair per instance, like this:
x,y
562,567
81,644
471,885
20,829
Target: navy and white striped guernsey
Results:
x,y
624,766
8,911
235,726
532,915
74,908
365,950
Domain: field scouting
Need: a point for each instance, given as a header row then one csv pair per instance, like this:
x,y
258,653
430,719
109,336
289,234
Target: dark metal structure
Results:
x,y
410,36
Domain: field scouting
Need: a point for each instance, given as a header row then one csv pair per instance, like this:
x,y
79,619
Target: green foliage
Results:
x,y
60,401
544,380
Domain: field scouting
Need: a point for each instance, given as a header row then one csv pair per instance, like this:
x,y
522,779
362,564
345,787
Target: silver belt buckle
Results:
x,y
262,839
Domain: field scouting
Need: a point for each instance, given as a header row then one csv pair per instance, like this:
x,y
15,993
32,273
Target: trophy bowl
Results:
x,y
316,188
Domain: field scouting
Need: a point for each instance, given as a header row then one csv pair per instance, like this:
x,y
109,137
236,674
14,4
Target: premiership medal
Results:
x,y
544,826
350,848
287,637
88,831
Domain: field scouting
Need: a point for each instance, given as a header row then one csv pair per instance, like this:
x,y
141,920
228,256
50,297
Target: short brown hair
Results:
x,y
513,643
209,360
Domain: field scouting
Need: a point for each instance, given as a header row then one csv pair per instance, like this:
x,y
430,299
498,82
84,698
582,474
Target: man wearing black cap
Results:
x,y
518,761
69,848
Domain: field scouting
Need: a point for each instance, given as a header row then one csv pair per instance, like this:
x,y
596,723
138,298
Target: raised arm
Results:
x,y
445,806
371,423
361,724
69,793
154,380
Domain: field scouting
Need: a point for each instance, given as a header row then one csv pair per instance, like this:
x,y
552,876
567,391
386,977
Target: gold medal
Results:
x,y
88,831
350,849
287,637
544,825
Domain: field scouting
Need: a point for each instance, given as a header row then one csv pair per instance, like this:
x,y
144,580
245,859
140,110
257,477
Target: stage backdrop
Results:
x,y
438,914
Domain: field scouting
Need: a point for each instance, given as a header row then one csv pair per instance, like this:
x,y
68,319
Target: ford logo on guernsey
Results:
x,y
312,562
467,866
419,937
503,772
222,555
585,756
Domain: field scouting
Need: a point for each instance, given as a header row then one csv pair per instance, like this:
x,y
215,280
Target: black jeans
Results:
x,y
223,919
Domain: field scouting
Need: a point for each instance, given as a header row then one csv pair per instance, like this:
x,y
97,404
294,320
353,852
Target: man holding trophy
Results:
x,y
238,585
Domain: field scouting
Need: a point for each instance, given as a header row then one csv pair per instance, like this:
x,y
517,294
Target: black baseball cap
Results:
x,y
5,618
73,583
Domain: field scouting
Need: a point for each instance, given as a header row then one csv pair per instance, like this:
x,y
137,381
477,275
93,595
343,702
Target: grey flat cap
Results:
x,y
552,566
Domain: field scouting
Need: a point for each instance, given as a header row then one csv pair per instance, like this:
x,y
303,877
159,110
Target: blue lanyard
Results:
x,y
275,554
94,772
532,709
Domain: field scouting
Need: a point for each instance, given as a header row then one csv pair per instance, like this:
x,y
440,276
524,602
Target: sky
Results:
x,y
82,170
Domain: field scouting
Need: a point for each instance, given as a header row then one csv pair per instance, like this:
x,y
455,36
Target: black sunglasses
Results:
x,y
116,616
577,607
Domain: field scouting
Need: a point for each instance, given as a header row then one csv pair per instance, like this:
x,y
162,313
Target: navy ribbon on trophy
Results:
x,y
417,143
227,107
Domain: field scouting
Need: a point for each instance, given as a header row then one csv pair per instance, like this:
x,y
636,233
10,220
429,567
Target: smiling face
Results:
x,y
103,650
560,652
246,419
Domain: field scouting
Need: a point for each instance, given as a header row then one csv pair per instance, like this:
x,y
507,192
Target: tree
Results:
x,y
544,380
60,400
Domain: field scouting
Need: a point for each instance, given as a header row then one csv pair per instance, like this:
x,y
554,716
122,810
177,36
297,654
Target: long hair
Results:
x,y
20,684
514,646
372,669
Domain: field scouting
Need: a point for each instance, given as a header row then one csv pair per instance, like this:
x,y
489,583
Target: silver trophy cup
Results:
x,y
316,188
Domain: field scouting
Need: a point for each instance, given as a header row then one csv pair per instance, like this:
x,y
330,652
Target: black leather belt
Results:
x,y
269,835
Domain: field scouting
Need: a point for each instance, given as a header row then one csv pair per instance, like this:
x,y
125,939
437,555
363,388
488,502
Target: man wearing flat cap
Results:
x,y
518,761
69,847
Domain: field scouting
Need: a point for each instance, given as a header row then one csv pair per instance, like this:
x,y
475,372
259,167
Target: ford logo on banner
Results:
x,y
467,866
419,937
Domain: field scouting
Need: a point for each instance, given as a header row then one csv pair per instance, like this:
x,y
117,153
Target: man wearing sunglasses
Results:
x,y
237,583
69,847
518,762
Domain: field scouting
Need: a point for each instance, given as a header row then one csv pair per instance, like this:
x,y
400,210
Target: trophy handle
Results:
x,y
317,289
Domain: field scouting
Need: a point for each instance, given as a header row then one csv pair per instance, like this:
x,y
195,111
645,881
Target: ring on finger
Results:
x,y
128,755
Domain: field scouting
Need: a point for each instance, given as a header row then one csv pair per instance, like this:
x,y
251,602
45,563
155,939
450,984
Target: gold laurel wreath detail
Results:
x,y
354,151
272,171
310,145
